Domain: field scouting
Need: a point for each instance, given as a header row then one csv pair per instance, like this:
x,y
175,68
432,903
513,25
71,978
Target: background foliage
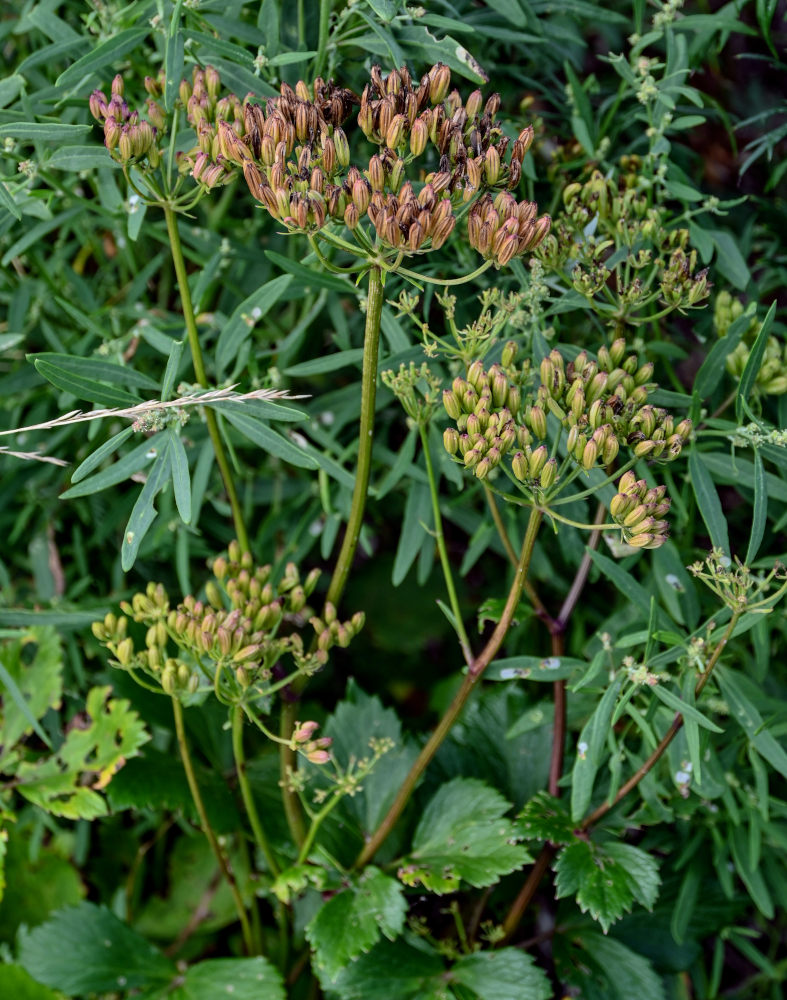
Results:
x,y
687,102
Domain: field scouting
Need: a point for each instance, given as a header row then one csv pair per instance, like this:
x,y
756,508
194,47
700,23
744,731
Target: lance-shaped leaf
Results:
x,y
463,836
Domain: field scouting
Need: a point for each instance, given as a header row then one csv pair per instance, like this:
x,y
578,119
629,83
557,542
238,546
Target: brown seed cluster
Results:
x,y
205,110
502,228
408,220
129,137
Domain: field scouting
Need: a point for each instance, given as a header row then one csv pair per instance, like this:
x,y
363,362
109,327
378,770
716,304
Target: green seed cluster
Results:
x,y
485,406
244,627
603,405
639,511
771,378
617,208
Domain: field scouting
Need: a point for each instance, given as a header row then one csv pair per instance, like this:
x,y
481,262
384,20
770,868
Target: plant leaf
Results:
x,y
462,835
545,818
86,949
240,978
606,879
352,921
65,783
240,325
708,502
507,974
589,747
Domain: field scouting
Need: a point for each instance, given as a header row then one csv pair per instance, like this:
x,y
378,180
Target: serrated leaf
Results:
x,y
17,983
37,681
240,325
86,949
352,921
356,721
602,968
463,836
238,978
606,879
67,783
545,818
507,974
393,970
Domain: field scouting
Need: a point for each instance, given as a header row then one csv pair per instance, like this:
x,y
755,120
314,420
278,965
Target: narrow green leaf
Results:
x,y
671,700
84,388
75,158
685,904
171,371
760,512
240,325
708,502
95,368
417,513
173,58
117,473
626,584
258,432
8,202
35,233
105,54
181,480
754,363
143,513
328,363
712,369
589,746
746,715
534,668
21,703
42,131
308,277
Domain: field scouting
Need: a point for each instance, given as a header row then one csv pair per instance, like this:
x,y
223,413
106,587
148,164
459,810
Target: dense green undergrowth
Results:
x,y
393,493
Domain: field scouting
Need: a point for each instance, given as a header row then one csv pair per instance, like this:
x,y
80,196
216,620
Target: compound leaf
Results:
x,y
353,920
463,836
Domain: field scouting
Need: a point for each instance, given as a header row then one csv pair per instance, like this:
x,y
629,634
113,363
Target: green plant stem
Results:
x,y
207,829
322,43
245,790
371,346
199,370
341,571
316,822
474,672
464,642
444,281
